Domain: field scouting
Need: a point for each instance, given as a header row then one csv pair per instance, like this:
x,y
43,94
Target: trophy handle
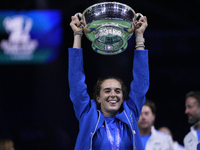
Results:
x,y
138,16
79,15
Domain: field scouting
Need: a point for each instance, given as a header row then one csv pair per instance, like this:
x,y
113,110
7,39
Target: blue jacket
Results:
x,y
91,119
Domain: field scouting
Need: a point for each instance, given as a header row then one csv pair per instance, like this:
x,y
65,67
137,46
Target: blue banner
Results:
x,y
33,36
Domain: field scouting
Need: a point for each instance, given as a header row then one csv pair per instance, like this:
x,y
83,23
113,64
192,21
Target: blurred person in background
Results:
x,y
152,139
6,144
176,145
192,110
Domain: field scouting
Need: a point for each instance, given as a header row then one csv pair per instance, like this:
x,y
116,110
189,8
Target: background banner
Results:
x,y
33,36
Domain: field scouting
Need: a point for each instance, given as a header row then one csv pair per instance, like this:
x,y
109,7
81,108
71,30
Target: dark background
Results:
x,y
35,109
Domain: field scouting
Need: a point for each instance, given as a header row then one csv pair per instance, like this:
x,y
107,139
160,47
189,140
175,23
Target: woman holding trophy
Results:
x,y
108,122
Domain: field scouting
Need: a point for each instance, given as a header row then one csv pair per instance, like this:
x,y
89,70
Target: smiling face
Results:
x,y
192,110
110,98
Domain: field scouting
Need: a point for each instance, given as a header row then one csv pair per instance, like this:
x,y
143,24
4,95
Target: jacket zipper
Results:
x,y
95,130
133,131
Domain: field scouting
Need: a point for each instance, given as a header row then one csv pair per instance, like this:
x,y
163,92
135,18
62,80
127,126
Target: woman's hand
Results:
x,y
141,26
76,24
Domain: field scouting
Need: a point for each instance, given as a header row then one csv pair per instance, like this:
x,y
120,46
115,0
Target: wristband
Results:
x,y
141,45
78,33
139,39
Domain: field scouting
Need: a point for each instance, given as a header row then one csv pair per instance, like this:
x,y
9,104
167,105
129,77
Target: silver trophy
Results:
x,y
108,26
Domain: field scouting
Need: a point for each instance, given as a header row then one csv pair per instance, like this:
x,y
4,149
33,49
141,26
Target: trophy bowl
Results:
x,y
108,26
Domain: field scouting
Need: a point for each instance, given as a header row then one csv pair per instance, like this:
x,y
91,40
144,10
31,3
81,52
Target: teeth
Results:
x,y
112,101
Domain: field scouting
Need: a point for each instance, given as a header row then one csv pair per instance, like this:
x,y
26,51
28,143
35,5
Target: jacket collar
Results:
x,y
193,129
121,116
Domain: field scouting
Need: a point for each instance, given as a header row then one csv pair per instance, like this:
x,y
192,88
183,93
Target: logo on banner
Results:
x,y
19,41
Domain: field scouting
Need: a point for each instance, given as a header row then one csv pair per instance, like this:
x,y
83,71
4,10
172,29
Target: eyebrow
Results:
x,y
110,89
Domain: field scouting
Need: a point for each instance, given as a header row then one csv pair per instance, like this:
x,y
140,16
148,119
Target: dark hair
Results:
x,y
151,105
195,94
97,88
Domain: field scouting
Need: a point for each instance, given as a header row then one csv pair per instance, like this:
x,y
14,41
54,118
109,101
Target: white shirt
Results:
x,y
191,140
159,141
177,146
